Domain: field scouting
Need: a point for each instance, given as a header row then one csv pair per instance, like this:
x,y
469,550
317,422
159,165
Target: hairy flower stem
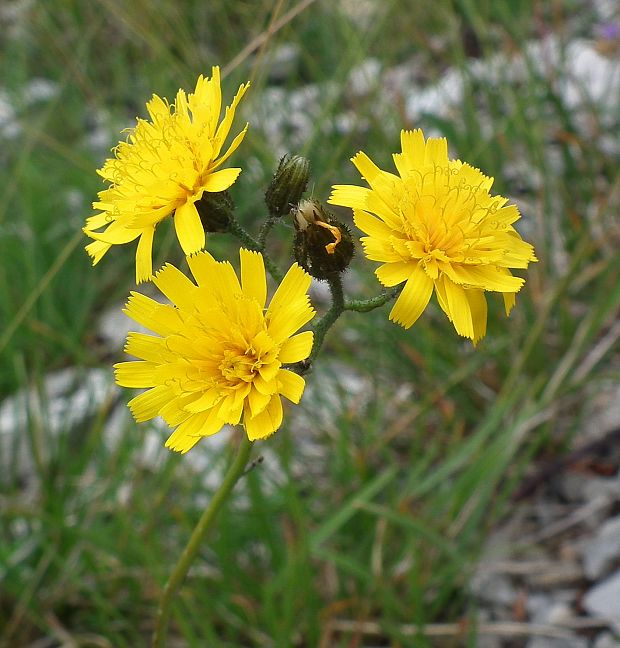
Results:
x,y
235,471
235,228
366,305
264,231
326,322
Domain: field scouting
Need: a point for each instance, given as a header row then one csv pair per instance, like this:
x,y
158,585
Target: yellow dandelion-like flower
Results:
x,y
436,226
163,168
217,353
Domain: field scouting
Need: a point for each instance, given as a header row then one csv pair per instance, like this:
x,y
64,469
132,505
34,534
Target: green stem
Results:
x,y
265,229
251,243
366,305
326,322
235,471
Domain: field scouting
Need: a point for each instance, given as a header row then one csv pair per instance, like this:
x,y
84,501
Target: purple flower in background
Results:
x,y
608,31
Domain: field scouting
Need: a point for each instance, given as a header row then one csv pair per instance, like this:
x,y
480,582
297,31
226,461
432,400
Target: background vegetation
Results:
x,y
364,521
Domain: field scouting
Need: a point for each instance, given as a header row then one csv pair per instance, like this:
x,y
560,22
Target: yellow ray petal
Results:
x,y
176,286
195,427
146,347
206,101
147,405
391,274
506,216
188,227
205,402
144,255
487,277
226,123
226,284
230,409
174,412
371,225
289,309
296,348
265,386
509,302
116,234
96,250
257,402
436,151
234,145
201,425
386,211
97,220
220,180
265,423
367,168
283,322
478,306
253,279
135,374
413,299
459,309
349,196
291,385
413,149
379,249
180,442
203,266
159,318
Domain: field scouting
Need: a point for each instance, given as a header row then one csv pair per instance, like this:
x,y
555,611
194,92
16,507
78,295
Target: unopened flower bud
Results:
x,y
288,185
323,245
215,211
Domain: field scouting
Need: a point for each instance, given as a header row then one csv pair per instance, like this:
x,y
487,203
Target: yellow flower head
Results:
x,y
217,354
435,225
163,168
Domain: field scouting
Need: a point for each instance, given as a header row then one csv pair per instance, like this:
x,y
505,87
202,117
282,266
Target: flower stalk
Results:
x,y
327,321
367,305
235,471
236,229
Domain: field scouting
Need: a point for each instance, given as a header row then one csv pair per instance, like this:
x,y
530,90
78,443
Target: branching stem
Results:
x,y
366,305
326,322
251,243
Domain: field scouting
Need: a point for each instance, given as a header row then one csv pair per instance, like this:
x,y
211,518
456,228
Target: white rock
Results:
x,y
606,640
572,486
564,642
551,609
332,389
538,606
9,126
604,414
65,399
364,78
101,133
39,89
608,487
361,12
603,550
283,61
559,613
113,327
493,588
591,77
603,600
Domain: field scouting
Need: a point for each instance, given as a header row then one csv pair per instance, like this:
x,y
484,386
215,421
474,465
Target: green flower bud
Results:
x,y
323,245
288,185
215,211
